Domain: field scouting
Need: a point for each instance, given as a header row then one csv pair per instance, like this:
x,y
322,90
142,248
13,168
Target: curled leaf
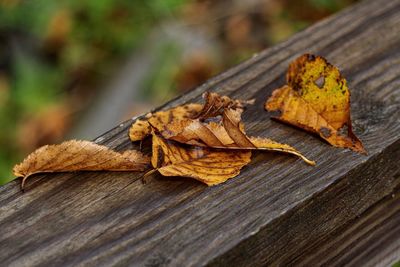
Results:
x,y
141,128
208,166
316,99
226,134
213,106
79,156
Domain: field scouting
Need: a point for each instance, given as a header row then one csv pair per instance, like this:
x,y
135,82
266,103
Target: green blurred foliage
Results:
x,y
159,83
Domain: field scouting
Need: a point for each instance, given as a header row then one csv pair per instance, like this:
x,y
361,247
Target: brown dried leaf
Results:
x,y
316,99
141,128
79,156
215,104
227,134
206,165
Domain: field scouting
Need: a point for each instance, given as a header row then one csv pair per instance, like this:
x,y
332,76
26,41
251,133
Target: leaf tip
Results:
x,y
306,160
359,147
16,171
310,162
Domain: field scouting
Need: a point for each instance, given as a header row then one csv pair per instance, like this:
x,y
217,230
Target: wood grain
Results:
x,y
278,211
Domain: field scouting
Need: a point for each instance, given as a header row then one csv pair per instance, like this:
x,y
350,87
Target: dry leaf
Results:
x,y
227,134
316,99
206,165
214,105
141,128
79,156
205,128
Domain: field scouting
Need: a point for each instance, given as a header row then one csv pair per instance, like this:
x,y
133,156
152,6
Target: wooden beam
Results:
x,y
277,211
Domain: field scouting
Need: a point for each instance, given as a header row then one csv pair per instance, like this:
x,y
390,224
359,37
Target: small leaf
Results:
x,y
214,106
316,99
141,128
206,165
79,156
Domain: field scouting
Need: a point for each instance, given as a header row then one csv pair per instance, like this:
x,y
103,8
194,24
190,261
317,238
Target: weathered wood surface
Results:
x,y
277,211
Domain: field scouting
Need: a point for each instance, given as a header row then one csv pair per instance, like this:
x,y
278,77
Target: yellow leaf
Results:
x,y
316,99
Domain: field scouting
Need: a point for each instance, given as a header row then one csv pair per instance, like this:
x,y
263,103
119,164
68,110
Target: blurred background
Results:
x,y
74,69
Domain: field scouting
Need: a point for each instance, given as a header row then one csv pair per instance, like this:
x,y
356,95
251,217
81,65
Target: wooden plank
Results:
x,y
277,211
373,239
295,236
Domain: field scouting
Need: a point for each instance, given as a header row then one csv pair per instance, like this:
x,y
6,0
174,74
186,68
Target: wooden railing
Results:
x,y
278,211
